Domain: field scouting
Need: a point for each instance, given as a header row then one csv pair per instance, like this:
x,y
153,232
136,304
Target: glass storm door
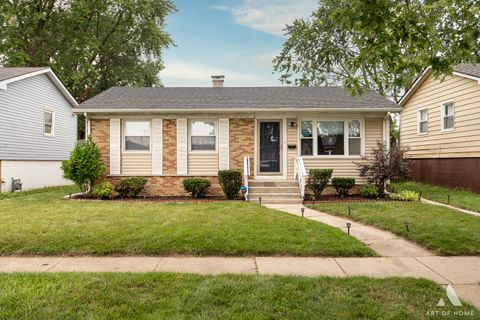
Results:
x,y
269,147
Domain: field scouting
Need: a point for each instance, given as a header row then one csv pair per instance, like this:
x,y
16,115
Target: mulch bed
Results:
x,y
154,199
352,198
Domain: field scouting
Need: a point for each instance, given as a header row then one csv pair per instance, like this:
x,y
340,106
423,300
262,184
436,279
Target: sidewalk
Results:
x,y
434,203
442,270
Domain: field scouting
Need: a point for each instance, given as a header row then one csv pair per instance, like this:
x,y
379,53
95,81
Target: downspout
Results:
x,y
386,125
87,125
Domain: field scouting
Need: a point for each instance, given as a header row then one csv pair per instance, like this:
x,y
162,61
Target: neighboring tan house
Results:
x,y
37,127
440,123
270,133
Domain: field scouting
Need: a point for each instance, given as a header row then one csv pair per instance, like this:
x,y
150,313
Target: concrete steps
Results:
x,y
274,191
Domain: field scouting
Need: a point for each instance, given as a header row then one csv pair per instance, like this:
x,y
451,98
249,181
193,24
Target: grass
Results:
x,y
460,198
42,223
183,296
444,230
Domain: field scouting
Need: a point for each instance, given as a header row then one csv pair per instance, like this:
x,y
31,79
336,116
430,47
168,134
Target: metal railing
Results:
x,y
300,174
246,175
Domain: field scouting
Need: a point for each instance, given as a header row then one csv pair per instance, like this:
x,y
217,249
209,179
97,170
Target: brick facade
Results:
x,y
169,146
242,142
100,133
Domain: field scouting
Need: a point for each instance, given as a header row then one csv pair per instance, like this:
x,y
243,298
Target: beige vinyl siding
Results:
x,y
203,163
464,140
346,167
292,138
138,164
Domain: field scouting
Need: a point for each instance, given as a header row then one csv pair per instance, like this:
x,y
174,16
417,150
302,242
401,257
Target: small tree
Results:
x,y
386,164
84,167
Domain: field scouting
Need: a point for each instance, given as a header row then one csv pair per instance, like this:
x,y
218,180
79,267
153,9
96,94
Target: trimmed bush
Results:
x,y
317,180
370,191
231,181
406,195
130,187
196,187
343,185
84,166
103,190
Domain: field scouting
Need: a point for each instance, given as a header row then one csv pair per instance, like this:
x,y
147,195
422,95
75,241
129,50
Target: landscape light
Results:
x,y
260,200
406,225
348,227
302,210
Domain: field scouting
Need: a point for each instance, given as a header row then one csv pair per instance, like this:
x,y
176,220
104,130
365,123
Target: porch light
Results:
x,y
348,227
406,225
303,211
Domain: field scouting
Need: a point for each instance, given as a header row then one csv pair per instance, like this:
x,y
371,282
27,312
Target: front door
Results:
x,y
269,147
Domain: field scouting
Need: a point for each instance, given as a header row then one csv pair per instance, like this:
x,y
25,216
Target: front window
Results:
x,y
330,138
137,135
48,123
306,138
203,135
448,118
422,121
354,138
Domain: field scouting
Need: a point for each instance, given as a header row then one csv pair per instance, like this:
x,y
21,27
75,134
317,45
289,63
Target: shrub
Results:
x,y
231,181
84,166
130,187
406,195
343,185
317,180
387,163
370,191
103,190
196,187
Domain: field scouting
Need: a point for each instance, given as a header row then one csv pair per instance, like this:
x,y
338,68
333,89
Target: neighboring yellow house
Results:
x,y
440,123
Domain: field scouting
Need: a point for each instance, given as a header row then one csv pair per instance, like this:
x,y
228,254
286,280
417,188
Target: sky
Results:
x,y
236,38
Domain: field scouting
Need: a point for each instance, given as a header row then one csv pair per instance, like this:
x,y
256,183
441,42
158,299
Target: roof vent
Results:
x,y
217,81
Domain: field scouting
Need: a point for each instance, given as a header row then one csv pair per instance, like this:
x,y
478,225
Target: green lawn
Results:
x,y
185,296
444,230
460,198
42,223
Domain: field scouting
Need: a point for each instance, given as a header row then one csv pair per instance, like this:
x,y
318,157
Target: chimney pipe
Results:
x,y
217,81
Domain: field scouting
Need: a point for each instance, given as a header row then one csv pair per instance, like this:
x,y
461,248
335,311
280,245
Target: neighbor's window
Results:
x,y
137,135
203,135
422,121
306,138
48,123
448,118
330,138
354,138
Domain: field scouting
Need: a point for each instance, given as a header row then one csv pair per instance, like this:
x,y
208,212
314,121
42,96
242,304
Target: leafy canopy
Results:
x,y
381,45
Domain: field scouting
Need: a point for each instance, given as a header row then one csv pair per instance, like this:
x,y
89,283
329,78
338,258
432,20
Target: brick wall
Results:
x,y
100,132
242,142
169,146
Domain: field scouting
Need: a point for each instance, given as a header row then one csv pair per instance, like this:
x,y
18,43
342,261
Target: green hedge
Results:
x,y
343,185
317,180
196,187
231,181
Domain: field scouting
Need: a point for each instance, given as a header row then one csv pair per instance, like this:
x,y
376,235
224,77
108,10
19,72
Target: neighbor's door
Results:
x,y
269,147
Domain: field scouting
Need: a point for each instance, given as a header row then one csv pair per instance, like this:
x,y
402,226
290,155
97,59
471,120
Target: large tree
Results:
x,y
379,44
90,44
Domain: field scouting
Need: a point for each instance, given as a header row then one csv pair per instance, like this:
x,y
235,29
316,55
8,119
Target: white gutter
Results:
x,y
183,110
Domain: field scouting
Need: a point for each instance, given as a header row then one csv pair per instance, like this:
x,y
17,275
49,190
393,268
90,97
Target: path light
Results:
x,y
406,225
260,200
349,209
448,197
313,201
421,193
348,227
302,210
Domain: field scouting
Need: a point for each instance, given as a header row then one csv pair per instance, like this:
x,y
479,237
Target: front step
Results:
x,y
274,191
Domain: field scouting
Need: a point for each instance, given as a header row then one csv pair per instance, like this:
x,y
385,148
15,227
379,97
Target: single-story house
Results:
x,y
37,128
440,123
273,134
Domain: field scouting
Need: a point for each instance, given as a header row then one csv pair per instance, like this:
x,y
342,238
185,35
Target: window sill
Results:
x,y
333,157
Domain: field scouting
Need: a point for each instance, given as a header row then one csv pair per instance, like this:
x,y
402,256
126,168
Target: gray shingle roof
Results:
x,y
7,73
468,68
118,98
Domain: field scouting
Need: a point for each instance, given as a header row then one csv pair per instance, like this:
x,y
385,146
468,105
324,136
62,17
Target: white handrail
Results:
x,y
300,174
246,175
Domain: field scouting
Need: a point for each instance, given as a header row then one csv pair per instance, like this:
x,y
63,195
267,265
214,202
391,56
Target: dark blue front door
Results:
x,y
269,147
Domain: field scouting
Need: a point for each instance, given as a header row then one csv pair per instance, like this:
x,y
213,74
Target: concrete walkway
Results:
x,y
462,272
473,213
385,243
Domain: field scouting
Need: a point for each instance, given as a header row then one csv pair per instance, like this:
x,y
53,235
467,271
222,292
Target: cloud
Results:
x,y
179,73
270,16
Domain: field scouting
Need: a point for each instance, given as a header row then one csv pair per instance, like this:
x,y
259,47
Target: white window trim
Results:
x,y
419,121
345,138
189,129
124,150
52,134
442,128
